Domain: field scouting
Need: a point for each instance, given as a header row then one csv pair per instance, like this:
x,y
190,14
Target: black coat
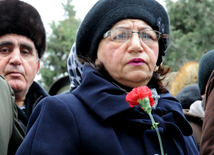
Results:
x,y
95,119
34,95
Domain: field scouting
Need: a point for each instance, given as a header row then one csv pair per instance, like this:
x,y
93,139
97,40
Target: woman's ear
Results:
x,y
97,62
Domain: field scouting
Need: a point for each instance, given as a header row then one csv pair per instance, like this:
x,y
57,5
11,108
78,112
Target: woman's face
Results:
x,y
130,62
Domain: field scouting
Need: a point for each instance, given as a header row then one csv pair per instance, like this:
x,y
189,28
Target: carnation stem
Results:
x,y
154,126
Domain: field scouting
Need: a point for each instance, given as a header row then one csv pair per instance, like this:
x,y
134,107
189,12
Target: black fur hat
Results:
x,y
206,66
106,13
20,18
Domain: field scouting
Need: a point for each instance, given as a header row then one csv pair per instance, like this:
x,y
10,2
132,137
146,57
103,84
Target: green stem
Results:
x,y
154,125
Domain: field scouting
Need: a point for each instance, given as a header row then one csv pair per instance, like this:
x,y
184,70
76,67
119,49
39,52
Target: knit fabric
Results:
x,y
188,95
206,66
106,13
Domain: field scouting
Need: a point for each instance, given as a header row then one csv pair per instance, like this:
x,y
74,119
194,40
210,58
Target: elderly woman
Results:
x,y
122,42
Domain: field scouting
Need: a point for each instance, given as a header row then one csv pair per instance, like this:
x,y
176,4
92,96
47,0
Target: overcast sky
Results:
x,y
52,10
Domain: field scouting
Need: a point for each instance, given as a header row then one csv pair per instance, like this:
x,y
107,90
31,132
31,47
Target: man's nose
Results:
x,y
15,57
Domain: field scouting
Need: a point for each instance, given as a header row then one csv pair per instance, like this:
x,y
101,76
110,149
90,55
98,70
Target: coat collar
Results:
x,y
99,95
108,103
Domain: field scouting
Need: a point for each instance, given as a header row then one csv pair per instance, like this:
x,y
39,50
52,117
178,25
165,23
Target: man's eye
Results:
x,y
4,50
25,52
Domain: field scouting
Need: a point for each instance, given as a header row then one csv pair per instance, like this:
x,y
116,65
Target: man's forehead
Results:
x,y
16,39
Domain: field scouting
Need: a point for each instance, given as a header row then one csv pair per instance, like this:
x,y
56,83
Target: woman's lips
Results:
x,y
136,62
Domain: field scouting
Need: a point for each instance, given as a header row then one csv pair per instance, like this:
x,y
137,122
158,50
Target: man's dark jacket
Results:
x,y
34,95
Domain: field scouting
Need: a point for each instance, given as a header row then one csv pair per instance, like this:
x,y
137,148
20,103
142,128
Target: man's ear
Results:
x,y
38,65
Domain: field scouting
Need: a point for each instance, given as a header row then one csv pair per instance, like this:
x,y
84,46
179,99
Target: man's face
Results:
x,y
19,62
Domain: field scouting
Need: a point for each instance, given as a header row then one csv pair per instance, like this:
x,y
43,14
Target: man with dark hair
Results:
x,y
22,45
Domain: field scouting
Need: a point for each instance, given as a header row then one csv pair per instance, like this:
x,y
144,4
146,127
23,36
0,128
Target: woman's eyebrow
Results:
x,y
127,27
122,26
145,27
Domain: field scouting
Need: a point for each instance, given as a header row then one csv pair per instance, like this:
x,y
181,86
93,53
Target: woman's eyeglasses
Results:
x,y
147,35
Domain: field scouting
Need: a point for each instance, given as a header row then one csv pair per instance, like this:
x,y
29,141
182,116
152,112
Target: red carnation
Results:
x,y
139,93
143,96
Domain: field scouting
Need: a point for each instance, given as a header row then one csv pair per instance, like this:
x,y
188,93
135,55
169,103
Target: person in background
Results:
x,y
8,117
206,85
121,43
188,95
22,45
69,82
62,85
191,101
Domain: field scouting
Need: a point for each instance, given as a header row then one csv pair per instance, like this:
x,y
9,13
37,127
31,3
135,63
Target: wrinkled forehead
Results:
x,y
16,38
18,41
132,23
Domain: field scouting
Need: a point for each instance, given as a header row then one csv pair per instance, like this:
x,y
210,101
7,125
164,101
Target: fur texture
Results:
x,y
20,18
187,74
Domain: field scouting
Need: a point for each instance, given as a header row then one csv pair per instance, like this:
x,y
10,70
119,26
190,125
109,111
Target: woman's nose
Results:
x,y
135,43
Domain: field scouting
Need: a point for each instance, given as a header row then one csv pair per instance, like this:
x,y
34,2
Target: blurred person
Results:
x,y
8,113
188,95
191,101
206,85
121,44
194,110
61,85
